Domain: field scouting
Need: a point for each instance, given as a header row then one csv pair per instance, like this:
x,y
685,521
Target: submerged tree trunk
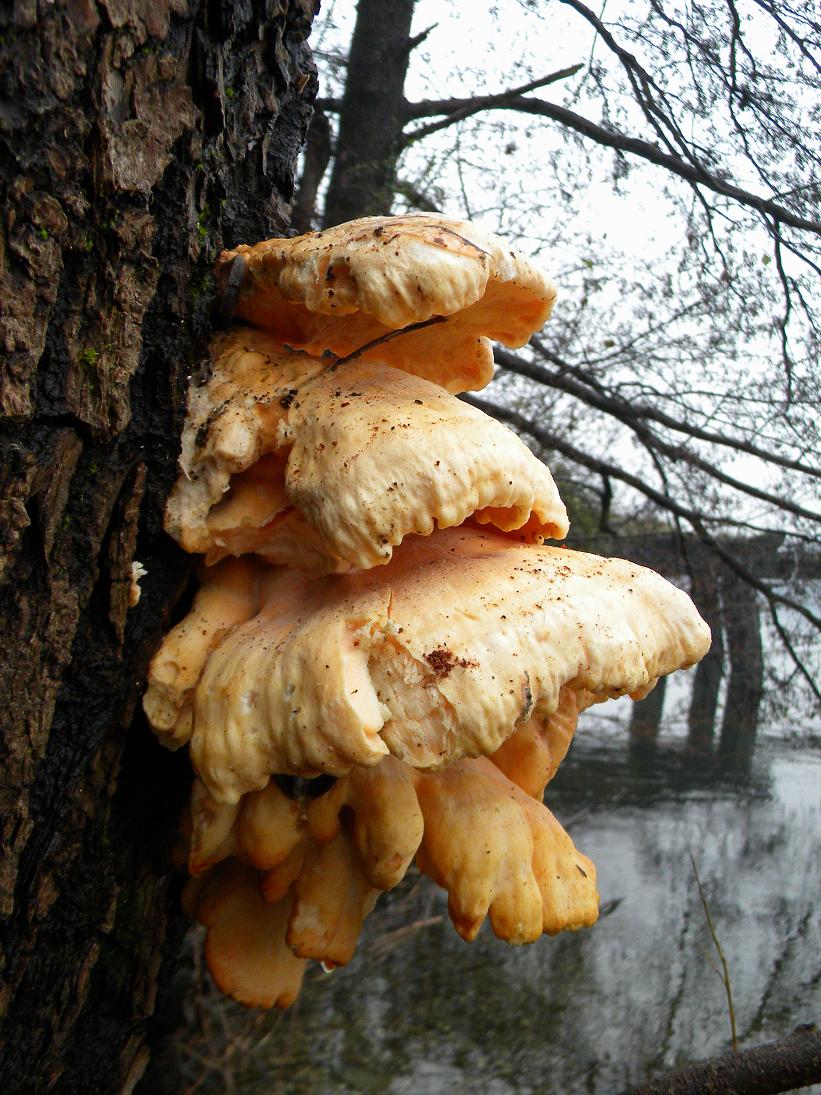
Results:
x,y
745,687
645,719
709,671
138,138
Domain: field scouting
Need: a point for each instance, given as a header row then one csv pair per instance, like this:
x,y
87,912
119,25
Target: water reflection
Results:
x,y
419,1011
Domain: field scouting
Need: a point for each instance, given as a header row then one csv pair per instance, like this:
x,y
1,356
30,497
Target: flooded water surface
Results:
x,y
420,1011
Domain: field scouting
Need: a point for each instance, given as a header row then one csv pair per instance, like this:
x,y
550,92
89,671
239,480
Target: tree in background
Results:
x,y
675,389
138,139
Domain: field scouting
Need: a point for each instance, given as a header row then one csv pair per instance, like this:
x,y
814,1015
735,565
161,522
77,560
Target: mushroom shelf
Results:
x,y
377,607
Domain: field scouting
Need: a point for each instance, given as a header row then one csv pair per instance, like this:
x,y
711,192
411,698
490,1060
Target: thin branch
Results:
x,y
796,39
693,517
725,969
693,172
597,396
790,648
784,320
469,107
419,38
382,339
416,197
429,108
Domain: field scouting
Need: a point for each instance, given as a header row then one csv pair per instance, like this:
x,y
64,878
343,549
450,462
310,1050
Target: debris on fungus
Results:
x,y
377,607
349,289
350,469
438,655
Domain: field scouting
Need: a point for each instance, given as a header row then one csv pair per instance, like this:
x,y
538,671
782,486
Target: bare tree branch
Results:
x,y
784,1065
480,103
796,40
416,197
419,38
605,400
693,172
694,517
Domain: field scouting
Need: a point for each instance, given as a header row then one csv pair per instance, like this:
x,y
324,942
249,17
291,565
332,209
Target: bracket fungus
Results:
x,y
450,287
377,607
336,472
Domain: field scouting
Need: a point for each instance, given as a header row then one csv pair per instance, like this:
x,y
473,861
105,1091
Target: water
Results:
x,y
420,1011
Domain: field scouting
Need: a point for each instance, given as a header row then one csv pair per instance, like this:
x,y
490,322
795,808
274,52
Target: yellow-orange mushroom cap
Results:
x,y
332,897
348,286
439,654
376,806
262,829
383,815
532,754
500,853
379,455
234,417
228,597
245,946
359,459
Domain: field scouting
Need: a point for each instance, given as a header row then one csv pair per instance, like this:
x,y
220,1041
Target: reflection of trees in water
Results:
x,y
786,963
587,1012
745,686
599,774
645,719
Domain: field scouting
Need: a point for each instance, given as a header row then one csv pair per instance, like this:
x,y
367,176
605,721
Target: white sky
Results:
x,y
613,236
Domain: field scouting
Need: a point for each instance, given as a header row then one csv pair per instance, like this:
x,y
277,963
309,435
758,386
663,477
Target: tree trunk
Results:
x,y
316,158
709,671
745,687
139,136
373,112
645,719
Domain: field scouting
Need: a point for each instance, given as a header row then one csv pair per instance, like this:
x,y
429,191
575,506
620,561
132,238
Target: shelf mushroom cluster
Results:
x,y
379,622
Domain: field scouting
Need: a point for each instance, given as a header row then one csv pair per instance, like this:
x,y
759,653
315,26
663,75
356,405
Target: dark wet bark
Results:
x,y
372,113
138,137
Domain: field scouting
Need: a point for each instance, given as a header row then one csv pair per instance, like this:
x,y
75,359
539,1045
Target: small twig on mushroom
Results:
x,y
386,338
725,969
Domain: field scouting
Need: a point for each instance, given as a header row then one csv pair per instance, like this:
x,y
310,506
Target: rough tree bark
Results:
x,y
138,137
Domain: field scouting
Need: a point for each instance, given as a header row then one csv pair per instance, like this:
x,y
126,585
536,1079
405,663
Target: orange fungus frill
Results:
x,y
377,607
